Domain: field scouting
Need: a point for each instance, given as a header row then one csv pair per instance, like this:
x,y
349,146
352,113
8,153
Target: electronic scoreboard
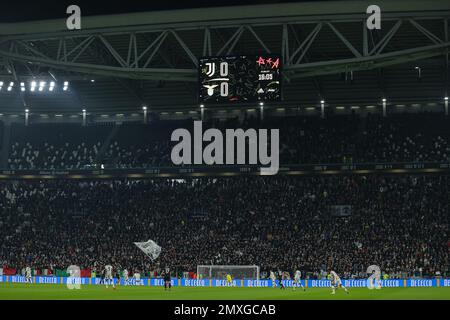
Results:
x,y
245,78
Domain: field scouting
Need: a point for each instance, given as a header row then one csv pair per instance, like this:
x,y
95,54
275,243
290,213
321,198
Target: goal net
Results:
x,y
221,272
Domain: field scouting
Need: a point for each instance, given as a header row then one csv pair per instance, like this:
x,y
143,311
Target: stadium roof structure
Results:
x,y
122,62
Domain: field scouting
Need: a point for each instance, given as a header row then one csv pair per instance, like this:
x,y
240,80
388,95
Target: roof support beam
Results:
x,y
132,64
446,61
85,42
249,28
232,41
383,43
158,41
365,39
344,40
36,52
16,78
306,44
427,33
367,63
113,52
83,49
64,50
130,47
285,44
109,71
207,43
185,48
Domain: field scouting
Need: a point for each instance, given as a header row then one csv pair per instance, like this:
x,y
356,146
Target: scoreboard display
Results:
x,y
240,79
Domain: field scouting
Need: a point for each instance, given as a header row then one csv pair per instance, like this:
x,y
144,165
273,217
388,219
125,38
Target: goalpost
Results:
x,y
221,271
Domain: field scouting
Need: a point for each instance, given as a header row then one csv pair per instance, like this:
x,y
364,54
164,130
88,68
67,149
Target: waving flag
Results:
x,y
150,248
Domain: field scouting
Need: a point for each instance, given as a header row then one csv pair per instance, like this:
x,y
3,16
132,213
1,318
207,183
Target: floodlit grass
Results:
x,y
13,291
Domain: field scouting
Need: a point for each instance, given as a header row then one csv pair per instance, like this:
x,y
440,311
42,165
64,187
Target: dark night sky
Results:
x,y
21,10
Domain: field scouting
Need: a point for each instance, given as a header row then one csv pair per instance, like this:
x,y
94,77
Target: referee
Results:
x,y
167,280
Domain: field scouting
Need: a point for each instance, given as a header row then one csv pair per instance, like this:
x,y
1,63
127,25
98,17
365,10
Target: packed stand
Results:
x,y
406,138
141,146
303,140
55,146
400,223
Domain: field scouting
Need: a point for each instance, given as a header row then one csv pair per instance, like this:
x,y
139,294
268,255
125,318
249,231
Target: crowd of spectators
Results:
x,y
51,157
303,140
55,146
140,146
400,223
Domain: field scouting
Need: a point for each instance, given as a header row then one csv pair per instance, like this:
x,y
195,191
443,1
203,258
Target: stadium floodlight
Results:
x,y
33,86
261,104
384,100
202,106
322,109
27,110
144,108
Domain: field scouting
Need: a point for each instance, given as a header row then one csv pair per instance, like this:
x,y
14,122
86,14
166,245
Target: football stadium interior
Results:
x,y
86,169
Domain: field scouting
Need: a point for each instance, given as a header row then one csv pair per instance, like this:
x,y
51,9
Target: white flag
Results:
x,y
150,248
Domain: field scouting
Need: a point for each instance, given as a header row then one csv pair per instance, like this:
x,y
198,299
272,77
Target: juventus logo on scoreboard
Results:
x,y
222,80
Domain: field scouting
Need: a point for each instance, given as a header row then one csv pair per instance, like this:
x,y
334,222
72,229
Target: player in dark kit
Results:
x,y
280,280
102,277
167,280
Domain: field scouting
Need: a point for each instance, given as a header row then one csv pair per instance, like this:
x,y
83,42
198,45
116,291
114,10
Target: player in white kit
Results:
x,y
273,278
336,282
28,278
108,276
137,277
298,280
125,277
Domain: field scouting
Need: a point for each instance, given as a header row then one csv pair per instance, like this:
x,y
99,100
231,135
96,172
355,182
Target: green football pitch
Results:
x,y
10,291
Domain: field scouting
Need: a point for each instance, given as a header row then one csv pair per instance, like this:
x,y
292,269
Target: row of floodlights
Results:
x,y
33,86
322,102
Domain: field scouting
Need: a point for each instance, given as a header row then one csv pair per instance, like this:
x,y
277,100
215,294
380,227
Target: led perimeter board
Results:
x,y
245,78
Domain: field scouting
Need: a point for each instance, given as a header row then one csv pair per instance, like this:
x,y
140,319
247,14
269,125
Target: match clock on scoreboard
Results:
x,y
239,79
